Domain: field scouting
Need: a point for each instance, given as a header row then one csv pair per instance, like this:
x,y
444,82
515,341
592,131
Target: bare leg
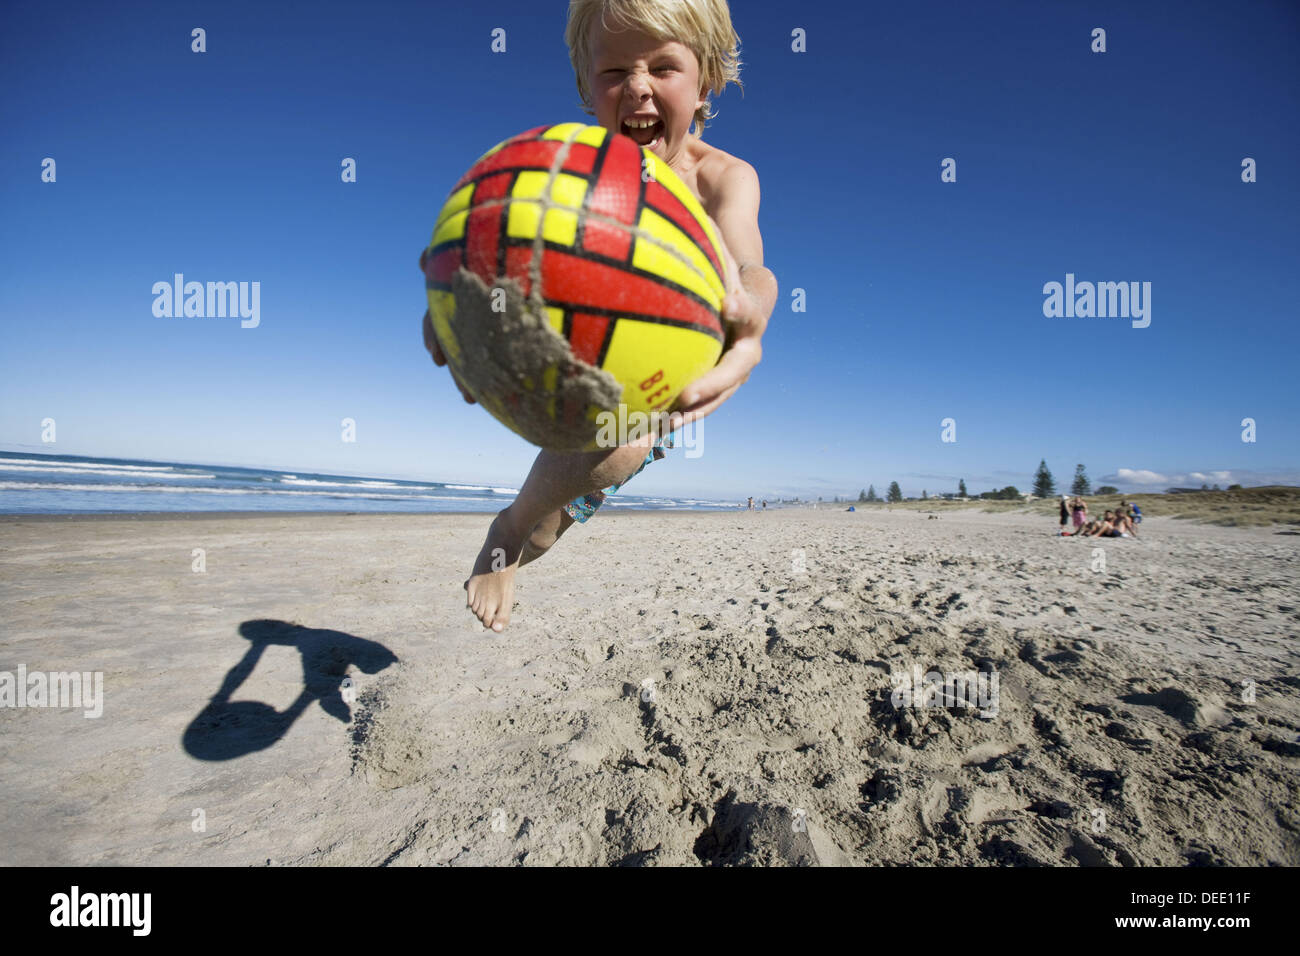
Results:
x,y
546,533
556,479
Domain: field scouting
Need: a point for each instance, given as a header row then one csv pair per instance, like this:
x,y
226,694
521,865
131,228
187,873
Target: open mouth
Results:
x,y
648,136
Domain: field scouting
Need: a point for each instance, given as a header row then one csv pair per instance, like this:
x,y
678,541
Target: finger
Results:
x,y
431,342
686,416
439,359
732,370
464,392
733,310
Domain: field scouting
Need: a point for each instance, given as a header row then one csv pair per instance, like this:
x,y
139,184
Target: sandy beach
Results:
x,y
674,689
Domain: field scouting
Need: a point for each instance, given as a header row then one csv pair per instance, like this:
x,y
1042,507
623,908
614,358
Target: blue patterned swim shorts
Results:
x,y
580,509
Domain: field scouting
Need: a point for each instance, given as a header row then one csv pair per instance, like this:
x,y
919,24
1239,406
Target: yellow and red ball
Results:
x,y
608,246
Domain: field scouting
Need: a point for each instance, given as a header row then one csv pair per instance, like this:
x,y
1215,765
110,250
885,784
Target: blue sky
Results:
x,y
924,298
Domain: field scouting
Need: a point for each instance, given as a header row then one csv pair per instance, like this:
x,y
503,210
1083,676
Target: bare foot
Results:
x,y
491,586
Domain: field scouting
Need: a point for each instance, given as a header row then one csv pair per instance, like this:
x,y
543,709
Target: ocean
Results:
x,y
74,484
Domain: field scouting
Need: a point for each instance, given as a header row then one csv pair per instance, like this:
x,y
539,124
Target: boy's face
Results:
x,y
635,77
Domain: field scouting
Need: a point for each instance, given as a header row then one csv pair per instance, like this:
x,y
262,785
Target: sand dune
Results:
x,y
675,689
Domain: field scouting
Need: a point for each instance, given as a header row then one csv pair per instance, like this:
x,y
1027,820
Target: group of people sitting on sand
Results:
x,y
1122,522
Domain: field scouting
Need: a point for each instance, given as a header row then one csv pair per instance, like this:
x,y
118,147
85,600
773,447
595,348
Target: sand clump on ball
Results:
x,y
508,352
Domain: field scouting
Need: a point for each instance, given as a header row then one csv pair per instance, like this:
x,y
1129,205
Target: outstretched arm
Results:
x,y
751,295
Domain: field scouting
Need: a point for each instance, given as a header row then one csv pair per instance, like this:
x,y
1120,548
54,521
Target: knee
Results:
x,y
541,539
618,465
547,531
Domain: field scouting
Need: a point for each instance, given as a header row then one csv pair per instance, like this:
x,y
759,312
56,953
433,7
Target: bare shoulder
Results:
x,y
722,179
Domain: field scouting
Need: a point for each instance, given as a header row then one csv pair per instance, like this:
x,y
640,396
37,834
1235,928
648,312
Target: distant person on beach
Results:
x,y
764,505
1097,528
1125,518
1112,525
751,504
1065,512
654,61
1079,509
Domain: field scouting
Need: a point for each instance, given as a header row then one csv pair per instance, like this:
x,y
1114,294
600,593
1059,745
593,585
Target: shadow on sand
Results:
x,y
224,730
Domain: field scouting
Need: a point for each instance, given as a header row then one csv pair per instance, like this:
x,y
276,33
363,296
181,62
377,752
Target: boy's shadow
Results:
x,y
224,730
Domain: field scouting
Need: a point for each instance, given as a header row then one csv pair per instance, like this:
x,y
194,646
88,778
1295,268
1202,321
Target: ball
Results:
x,y
574,281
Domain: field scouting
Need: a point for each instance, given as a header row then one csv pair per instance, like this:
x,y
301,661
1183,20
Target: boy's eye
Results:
x,y
614,71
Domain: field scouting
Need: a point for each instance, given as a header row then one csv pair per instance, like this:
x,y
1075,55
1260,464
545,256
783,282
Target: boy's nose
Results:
x,y
638,86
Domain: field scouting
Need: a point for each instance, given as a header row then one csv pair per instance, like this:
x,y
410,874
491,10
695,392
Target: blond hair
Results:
x,y
703,26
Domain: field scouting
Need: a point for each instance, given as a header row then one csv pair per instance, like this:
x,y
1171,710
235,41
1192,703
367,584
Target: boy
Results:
x,y
644,68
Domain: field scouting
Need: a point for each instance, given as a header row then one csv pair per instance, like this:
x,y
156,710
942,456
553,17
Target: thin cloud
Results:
x,y
1138,477
1222,477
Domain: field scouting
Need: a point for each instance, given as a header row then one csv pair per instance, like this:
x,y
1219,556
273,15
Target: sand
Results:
x,y
675,689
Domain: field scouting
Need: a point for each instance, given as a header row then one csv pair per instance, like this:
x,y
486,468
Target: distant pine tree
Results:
x,y
924,496
895,493
871,493
961,488
1081,486
862,495
1044,483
